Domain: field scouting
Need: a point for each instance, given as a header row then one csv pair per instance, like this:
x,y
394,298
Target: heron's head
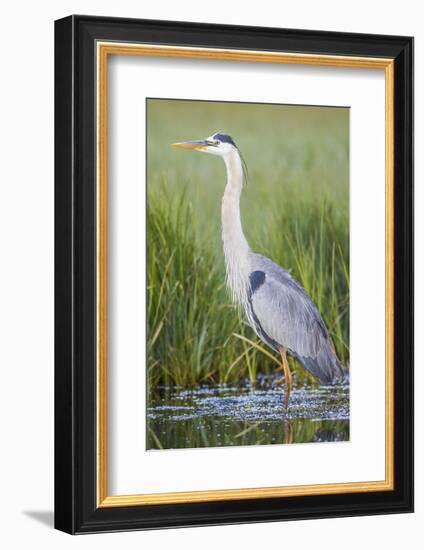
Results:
x,y
219,144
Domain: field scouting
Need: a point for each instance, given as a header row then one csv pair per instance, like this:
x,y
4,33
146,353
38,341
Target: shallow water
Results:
x,y
224,415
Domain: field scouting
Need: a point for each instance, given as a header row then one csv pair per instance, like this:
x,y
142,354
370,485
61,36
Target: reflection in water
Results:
x,y
224,415
328,435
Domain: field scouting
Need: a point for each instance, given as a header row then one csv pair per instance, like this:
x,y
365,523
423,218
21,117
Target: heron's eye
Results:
x,y
216,142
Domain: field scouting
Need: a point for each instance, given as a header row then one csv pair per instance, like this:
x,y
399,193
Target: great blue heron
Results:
x,y
276,306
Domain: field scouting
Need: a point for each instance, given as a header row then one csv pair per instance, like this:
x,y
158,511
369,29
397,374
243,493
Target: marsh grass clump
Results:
x,y
295,210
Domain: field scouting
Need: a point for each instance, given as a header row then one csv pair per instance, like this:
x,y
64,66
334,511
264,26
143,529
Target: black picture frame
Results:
x,y
76,510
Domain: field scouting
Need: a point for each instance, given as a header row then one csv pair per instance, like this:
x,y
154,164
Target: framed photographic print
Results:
x,y
233,272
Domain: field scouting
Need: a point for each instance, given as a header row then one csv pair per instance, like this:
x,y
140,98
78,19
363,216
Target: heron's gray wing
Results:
x,y
287,316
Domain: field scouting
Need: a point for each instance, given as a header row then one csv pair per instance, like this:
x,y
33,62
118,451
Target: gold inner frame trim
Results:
x,y
104,49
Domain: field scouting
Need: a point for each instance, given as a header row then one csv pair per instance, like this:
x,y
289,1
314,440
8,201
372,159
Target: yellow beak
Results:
x,y
198,144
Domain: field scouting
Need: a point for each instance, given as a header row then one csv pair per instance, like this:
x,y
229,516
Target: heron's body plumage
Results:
x,y
288,317
276,306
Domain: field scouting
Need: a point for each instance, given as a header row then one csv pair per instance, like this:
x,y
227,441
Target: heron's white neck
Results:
x,y
236,249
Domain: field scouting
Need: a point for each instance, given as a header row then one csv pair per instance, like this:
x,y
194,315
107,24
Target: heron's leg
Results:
x,y
287,376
